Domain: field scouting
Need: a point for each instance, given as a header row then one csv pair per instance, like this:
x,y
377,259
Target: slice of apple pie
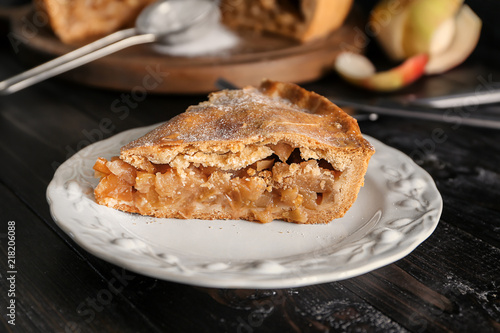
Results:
x,y
273,152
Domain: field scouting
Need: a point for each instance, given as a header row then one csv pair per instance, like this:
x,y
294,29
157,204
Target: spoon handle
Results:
x,y
90,52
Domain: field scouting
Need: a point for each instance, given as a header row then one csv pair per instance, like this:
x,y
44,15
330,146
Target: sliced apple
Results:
x,y
442,36
360,71
468,29
447,30
425,18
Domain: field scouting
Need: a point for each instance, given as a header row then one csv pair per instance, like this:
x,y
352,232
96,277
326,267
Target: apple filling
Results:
x,y
283,185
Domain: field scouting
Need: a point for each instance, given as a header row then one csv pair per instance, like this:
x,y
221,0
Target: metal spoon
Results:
x,y
165,21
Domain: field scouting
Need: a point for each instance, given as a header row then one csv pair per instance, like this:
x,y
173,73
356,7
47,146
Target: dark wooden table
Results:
x,y
451,282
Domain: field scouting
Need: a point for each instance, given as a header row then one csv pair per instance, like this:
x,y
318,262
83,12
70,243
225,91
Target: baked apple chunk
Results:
x,y
273,152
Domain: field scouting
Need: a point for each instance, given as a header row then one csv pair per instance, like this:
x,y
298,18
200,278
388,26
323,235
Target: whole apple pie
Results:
x,y
272,152
303,20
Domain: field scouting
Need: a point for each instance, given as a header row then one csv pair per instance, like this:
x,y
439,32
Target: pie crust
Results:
x,y
303,20
272,152
80,21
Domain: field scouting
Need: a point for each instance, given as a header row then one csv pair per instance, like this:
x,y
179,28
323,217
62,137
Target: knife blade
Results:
x,y
449,116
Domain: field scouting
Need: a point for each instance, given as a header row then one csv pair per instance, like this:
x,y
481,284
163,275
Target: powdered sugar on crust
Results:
x,y
251,112
235,120
229,141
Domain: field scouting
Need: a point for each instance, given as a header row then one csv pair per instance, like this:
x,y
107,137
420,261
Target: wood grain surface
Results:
x,y
450,283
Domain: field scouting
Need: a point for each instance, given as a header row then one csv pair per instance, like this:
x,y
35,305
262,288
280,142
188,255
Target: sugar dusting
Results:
x,y
241,113
464,288
348,315
239,99
229,115
217,41
252,114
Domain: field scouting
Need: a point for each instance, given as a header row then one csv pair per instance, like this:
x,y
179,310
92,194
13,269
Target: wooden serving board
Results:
x,y
142,67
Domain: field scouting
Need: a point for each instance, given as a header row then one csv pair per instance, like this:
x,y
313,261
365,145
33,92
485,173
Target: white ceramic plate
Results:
x,y
396,210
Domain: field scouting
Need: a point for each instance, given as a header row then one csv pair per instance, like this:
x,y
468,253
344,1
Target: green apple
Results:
x,y
446,30
429,26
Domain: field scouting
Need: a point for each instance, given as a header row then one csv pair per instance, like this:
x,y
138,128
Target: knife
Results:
x,y
459,100
448,116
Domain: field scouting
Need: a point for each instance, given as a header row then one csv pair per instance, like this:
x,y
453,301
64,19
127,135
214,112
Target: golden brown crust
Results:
x,y
237,128
326,16
80,21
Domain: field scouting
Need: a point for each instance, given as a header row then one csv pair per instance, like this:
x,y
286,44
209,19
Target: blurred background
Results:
x,y
483,62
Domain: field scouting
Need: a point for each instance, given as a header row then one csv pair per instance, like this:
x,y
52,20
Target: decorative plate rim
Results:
x,y
409,215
